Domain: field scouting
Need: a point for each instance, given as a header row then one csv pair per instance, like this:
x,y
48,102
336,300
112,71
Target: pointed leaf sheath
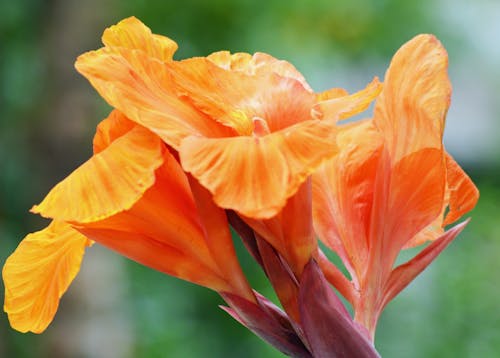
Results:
x,y
326,323
38,273
267,322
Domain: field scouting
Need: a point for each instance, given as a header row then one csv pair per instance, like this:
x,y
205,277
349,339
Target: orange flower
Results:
x,y
391,183
247,127
133,197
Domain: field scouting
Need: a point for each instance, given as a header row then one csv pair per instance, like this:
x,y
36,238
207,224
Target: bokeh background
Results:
x,y
117,308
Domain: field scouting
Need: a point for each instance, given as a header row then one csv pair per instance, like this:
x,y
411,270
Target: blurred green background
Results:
x,y
116,308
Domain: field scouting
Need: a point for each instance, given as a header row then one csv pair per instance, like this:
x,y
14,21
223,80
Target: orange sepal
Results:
x,y
256,175
39,272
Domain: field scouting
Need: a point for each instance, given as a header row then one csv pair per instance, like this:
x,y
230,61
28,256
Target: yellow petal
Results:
x,y
256,175
411,108
133,34
335,107
38,273
141,88
109,182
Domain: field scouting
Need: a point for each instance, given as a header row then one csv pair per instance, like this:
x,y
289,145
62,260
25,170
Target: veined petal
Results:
x,y
290,232
411,109
164,230
342,107
407,199
111,128
133,34
257,64
158,255
109,182
235,98
461,197
141,87
39,272
343,193
256,175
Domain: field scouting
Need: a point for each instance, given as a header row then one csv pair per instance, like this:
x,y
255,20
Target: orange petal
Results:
x,y
111,128
257,64
219,240
142,89
235,98
402,275
158,255
461,197
133,34
290,232
411,109
343,193
407,199
463,193
38,273
342,107
256,175
109,182
163,230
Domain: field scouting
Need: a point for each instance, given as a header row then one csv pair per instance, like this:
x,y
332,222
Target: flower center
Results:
x,y
260,127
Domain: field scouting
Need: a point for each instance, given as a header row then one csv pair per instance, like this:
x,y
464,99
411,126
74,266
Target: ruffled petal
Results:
x,y
235,98
335,107
411,109
141,87
133,34
257,64
39,272
111,128
109,182
256,175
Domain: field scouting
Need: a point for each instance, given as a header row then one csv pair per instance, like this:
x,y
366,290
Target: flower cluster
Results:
x,y
193,147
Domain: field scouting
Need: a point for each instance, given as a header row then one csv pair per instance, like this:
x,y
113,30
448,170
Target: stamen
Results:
x,y
260,127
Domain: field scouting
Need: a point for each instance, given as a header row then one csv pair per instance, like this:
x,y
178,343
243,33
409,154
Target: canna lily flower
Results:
x,y
392,185
247,127
133,197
